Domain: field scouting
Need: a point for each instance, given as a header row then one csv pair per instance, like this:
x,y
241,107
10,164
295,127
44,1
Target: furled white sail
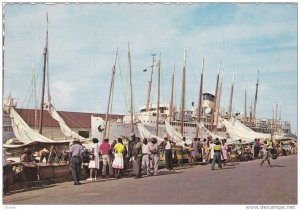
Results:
x,y
25,134
237,130
65,129
144,133
209,133
175,135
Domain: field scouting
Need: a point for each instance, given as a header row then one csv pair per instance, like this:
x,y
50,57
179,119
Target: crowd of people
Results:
x,y
137,157
140,156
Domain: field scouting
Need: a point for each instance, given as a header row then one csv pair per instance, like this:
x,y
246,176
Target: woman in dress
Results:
x,y
195,150
206,151
94,160
118,163
224,148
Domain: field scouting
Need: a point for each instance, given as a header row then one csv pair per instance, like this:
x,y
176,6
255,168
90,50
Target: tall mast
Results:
x,y
272,125
34,96
111,104
276,112
131,97
245,105
183,92
219,101
43,81
171,101
230,99
251,115
200,100
279,117
255,100
216,96
150,83
158,96
110,94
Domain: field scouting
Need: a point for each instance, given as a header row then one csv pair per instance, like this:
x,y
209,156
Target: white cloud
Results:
x,y
63,93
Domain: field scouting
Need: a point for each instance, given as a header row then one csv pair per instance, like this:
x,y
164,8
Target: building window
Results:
x,y
84,134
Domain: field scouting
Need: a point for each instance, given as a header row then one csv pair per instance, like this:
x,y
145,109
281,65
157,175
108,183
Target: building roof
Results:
x,y
72,119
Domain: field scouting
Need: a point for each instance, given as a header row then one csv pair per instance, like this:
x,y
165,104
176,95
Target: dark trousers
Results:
x,y
137,167
75,166
256,152
168,158
217,158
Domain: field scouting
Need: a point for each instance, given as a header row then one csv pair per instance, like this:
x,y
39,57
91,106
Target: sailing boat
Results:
x,y
24,134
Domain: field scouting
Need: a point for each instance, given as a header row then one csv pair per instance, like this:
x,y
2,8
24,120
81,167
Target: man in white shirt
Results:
x,y
167,146
146,157
153,148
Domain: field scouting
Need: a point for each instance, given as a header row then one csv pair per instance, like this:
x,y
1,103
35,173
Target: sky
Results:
x,y
84,38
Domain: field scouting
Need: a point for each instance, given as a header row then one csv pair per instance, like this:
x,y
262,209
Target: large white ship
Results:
x,y
160,119
123,127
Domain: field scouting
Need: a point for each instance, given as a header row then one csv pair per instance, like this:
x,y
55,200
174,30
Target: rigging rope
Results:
x,y
122,83
195,82
162,99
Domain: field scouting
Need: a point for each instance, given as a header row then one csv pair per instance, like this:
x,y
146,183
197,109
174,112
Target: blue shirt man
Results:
x,y
76,151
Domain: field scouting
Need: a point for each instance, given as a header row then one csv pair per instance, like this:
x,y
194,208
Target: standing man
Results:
x,y
266,154
256,148
131,143
167,147
146,157
217,155
106,157
137,154
153,148
76,151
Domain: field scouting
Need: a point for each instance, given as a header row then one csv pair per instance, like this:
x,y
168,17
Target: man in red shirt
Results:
x,y
105,152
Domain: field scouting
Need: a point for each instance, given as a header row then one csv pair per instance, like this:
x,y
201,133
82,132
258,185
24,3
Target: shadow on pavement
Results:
x,y
278,166
29,189
228,168
160,173
232,164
